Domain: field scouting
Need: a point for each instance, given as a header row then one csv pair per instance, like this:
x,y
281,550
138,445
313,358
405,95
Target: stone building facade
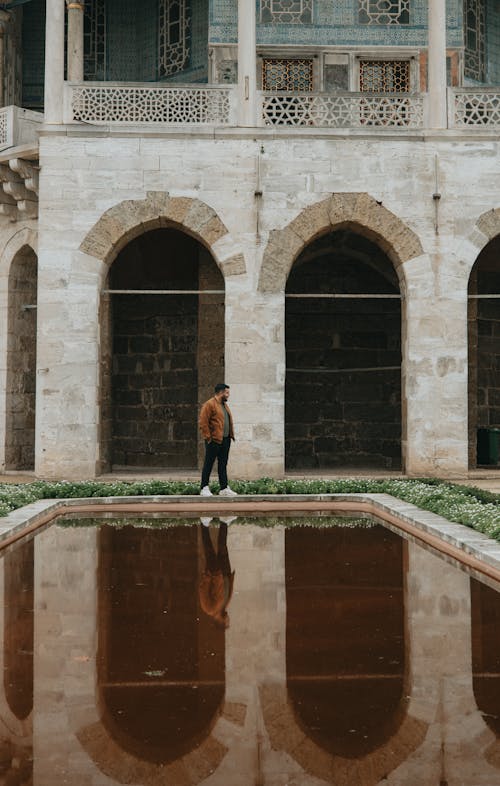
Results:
x,y
301,198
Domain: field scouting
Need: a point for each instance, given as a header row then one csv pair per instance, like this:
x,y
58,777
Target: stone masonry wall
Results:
x,y
381,186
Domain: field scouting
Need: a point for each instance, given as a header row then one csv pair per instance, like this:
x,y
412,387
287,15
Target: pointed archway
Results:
x,y
163,316
484,357
189,221
343,353
21,361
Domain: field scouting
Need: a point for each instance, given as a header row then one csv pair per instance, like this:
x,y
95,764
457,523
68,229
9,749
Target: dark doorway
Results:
x,y
484,357
343,356
21,362
163,319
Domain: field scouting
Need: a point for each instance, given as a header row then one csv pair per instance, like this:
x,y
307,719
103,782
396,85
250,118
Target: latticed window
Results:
x,y
384,12
95,40
474,35
286,11
291,75
384,76
173,31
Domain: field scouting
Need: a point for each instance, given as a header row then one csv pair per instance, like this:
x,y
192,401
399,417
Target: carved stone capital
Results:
x,y
27,171
27,208
19,189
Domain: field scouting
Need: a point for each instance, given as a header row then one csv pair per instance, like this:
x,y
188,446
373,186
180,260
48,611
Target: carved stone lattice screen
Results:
x,y
4,127
285,12
283,74
121,104
173,31
474,39
384,76
476,108
350,110
384,12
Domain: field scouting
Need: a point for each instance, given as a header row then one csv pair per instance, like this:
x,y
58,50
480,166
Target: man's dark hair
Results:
x,y
220,386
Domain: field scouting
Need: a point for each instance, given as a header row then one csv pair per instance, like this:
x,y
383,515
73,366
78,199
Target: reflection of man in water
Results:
x,y
216,584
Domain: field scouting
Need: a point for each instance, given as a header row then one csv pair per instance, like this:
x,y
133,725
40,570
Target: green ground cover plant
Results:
x,y
466,505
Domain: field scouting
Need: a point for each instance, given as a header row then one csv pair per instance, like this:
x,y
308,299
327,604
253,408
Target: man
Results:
x,y
216,426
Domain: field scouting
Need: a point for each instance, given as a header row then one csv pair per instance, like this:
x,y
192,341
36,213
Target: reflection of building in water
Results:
x,y
485,603
160,668
16,665
345,704
100,600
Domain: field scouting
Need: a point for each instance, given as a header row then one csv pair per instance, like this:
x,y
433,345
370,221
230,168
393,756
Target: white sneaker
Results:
x,y
206,522
205,492
228,519
227,492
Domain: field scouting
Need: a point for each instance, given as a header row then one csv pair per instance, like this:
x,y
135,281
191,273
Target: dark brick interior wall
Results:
x,y
154,380
21,363
484,346
343,383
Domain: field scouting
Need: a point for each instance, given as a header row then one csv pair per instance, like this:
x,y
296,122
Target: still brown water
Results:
x,y
239,654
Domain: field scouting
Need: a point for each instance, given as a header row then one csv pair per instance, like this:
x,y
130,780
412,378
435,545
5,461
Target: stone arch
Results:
x,y
489,225
357,210
126,223
479,256
23,237
18,270
130,218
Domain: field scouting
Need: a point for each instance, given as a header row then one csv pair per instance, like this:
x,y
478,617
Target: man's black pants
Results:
x,y
220,452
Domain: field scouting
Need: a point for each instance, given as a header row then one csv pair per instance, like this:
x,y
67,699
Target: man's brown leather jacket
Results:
x,y
212,421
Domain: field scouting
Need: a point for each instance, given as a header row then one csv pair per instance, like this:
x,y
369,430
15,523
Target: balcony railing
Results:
x,y
343,110
18,126
216,105
477,108
105,102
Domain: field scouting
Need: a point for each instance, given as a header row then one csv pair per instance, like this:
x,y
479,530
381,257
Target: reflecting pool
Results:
x,y
243,652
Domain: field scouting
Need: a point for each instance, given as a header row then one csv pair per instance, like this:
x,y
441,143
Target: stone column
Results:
x,y
255,369
247,68
437,64
75,41
54,61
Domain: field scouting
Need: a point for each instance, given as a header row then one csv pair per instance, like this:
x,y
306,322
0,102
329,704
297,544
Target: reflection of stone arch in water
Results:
x,y
347,664
16,708
192,768
148,614
485,615
286,735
